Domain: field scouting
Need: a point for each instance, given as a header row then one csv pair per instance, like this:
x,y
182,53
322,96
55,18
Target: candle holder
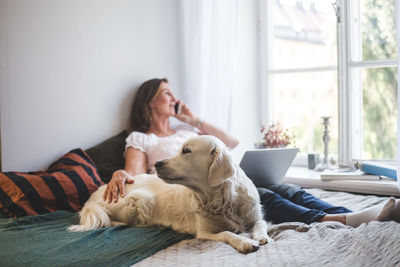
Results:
x,y
325,163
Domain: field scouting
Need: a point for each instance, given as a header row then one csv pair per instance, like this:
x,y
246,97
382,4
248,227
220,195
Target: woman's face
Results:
x,y
164,102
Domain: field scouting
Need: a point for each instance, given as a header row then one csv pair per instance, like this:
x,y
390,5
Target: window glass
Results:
x,y
373,30
303,34
379,112
300,100
303,40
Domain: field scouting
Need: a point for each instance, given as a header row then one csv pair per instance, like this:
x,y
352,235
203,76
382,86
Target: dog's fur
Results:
x,y
200,192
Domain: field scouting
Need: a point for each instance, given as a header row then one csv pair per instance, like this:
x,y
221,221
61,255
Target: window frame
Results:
x,y
348,112
349,97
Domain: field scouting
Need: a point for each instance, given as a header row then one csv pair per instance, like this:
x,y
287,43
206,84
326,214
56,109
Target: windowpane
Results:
x,y
298,102
379,112
303,34
373,30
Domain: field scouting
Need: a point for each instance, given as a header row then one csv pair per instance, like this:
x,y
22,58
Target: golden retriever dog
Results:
x,y
200,192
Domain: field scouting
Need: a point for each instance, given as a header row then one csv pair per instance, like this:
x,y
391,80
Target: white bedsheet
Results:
x,y
297,244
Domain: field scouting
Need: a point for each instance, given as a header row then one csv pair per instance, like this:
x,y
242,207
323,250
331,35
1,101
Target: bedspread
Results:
x,y
43,240
298,244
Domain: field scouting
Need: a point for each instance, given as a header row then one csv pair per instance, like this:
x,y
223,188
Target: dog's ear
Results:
x,y
221,168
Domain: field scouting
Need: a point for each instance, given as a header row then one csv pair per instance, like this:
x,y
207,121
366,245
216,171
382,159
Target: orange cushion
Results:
x,y
66,185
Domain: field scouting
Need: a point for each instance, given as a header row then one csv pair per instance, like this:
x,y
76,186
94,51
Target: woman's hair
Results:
x,y
140,118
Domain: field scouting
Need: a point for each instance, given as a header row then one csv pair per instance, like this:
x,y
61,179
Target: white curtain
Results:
x,y
397,19
208,45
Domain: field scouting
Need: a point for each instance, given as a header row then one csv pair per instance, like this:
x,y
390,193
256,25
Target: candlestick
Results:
x,y
325,163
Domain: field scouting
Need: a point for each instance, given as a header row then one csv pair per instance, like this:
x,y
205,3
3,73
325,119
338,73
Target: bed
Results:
x,y
298,244
42,240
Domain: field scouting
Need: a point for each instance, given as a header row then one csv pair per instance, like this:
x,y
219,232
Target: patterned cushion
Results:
x,y
66,185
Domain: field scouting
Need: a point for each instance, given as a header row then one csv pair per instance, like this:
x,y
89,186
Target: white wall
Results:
x,y
68,70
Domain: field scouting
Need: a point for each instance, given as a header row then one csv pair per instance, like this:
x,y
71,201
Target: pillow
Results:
x,y
66,185
109,155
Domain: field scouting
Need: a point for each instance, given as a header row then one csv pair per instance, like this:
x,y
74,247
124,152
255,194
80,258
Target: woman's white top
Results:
x,y
159,148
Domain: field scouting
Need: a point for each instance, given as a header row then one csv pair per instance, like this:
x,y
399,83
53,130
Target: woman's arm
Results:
x,y
135,163
187,116
207,128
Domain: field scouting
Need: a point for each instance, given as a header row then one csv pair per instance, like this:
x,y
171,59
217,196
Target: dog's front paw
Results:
x,y
247,246
266,241
259,233
261,236
262,239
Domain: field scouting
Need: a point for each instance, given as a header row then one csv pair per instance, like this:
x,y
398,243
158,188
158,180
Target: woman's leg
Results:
x,y
279,209
335,218
380,212
298,195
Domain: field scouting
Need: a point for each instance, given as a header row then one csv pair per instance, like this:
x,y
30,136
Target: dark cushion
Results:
x,y
66,185
109,155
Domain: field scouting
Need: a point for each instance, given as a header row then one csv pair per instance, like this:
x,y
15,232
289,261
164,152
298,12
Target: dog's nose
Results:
x,y
159,164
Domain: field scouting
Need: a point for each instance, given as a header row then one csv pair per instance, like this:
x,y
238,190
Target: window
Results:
x,y
337,59
372,75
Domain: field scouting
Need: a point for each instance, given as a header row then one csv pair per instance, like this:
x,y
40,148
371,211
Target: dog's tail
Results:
x,y
92,216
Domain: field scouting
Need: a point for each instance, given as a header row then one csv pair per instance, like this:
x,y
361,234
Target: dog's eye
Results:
x,y
186,150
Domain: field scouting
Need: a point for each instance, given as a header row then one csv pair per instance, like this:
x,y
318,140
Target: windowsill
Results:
x,y
304,177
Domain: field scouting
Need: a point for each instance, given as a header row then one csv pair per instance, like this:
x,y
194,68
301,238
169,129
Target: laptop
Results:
x,y
267,166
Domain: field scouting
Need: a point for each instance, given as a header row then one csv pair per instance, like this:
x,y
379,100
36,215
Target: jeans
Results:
x,y
290,203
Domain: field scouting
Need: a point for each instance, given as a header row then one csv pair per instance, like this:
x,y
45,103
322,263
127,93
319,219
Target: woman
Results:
x,y
153,139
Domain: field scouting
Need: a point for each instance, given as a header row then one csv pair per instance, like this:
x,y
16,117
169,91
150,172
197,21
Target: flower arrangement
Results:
x,y
275,136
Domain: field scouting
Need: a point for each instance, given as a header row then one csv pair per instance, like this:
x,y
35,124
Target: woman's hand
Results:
x,y
186,115
117,185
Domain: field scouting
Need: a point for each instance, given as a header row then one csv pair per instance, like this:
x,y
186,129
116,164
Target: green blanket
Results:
x,y
43,240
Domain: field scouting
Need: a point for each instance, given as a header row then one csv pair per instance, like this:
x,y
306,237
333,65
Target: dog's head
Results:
x,y
202,163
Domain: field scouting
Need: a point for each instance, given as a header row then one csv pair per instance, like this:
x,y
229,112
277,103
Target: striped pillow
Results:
x,y
66,185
